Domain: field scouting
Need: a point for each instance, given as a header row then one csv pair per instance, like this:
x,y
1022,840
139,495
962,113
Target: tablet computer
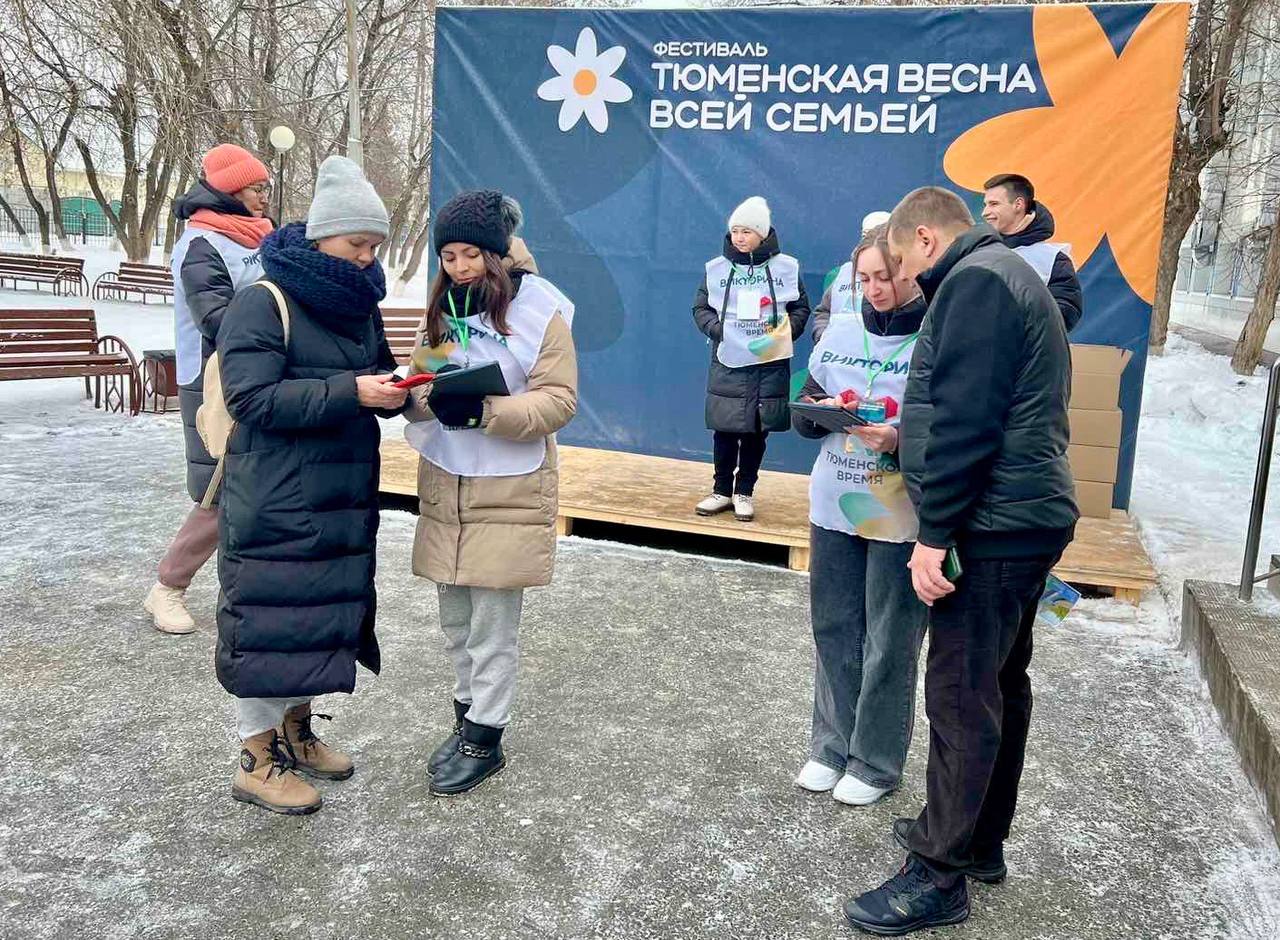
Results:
x,y
482,379
836,420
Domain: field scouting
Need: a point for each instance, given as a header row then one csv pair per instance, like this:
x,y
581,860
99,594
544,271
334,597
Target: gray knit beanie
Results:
x,y
345,203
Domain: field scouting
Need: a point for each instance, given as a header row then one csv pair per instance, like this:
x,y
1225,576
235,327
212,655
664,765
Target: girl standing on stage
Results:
x,y
751,305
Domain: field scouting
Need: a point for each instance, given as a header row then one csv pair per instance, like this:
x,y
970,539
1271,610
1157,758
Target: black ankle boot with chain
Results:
x,y
478,757
449,746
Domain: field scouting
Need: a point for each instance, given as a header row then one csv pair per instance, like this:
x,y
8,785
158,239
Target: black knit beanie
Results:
x,y
482,217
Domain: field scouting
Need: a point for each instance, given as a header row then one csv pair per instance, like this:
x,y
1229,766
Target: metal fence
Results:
x,y
83,228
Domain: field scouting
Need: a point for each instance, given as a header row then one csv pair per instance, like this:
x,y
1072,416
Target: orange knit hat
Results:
x,y
229,169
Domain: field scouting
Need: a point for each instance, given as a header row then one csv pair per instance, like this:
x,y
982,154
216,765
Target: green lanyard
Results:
x,y
460,325
875,374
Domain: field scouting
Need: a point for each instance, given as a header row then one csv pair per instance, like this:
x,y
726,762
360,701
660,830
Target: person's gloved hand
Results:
x,y
458,412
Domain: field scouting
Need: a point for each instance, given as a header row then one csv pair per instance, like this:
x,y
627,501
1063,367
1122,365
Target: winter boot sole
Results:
x,y
712,512
181,631
987,874
436,791
923,923
244,796
325,774
750,518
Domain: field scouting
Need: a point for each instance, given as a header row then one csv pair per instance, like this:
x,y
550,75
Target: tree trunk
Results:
x,y
1180,211
13,217
1249,347
415,259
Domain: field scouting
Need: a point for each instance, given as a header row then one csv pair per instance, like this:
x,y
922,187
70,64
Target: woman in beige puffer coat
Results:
x,y
489,473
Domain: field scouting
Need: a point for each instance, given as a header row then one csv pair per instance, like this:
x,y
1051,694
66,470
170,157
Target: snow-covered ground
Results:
x,y
1195,461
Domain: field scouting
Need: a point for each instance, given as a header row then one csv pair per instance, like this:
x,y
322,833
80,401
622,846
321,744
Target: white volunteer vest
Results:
x,y
853,489
846,291
1042,256
472,452
766,337
243,264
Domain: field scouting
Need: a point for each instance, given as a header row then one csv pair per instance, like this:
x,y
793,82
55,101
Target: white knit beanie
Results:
x,y
753,214
872,219
345,203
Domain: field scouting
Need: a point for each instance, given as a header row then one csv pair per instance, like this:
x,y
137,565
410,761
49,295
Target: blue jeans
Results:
x,y
867,627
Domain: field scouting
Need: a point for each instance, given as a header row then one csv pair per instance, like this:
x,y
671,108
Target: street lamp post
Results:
x,y
282,139
355,143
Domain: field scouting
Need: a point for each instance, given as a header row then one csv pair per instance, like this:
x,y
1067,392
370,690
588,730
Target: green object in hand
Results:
x,y
951,567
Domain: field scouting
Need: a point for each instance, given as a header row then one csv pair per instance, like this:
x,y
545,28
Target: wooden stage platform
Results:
x,y
659,493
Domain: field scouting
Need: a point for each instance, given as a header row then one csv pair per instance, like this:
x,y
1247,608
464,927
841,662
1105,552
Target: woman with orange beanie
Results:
x,y
226,221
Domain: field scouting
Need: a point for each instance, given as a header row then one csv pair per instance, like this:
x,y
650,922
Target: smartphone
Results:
x,y
422,378
951,567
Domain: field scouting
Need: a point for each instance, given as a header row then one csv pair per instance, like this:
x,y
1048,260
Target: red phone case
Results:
x,y
422,378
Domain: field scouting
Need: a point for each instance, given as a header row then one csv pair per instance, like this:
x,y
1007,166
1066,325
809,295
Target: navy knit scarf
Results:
x,y
338,293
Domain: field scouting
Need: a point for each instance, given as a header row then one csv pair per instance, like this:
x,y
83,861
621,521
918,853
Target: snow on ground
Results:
x,y
1197,452
1195,461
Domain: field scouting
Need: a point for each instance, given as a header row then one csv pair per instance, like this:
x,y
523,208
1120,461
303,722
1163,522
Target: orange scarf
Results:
x,y
245,230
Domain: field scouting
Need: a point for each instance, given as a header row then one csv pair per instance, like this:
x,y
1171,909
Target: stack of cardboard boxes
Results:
x,y
1095,419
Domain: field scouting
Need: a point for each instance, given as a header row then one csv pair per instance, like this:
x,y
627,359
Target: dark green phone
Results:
x,y
951,567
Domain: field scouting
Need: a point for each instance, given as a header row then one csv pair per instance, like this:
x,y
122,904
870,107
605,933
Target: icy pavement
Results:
x,y
663,710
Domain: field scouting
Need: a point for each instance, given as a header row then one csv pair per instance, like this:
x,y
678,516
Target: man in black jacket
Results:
x,y
1026,226
984,452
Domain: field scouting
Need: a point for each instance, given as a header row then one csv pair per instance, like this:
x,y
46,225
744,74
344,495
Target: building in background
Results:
x,y
1221,259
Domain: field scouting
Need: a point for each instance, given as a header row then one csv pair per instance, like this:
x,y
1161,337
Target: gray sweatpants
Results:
x,y
480,632
256,715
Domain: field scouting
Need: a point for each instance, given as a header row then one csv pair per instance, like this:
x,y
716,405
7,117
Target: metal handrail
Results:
x,y
1249,574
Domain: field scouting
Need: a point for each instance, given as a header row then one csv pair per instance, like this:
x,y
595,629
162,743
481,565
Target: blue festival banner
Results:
x,y
629,136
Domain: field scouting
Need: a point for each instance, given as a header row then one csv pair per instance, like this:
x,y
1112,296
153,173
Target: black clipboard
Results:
x,y
836,420
482,380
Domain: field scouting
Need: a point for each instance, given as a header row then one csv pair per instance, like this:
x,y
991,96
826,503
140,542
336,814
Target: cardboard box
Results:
x,y
1094,499
1094,464
1095,376
1095,428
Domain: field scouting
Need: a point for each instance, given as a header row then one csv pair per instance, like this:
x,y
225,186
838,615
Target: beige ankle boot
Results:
x,y
167,610
314,757
266,777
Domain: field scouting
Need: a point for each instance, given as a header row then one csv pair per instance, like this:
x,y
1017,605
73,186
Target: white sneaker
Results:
x,y
167,610
744,508
713,504
853,792
817,778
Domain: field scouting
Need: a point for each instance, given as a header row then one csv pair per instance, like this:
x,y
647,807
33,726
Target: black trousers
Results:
x,y
978,699
743,452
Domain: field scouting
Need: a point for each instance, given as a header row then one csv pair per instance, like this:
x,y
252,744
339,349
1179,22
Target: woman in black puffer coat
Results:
x,y
299,507
751,305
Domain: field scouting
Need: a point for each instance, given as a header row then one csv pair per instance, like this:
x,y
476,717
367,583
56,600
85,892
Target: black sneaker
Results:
x,y
907,902
990,871
449,746
478,757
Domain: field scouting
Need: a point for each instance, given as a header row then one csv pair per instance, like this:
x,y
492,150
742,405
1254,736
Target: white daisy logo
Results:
x,y
585,82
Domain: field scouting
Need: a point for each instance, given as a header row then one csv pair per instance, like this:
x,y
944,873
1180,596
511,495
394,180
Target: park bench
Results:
x,y
64,273
132,279
401,325
38,343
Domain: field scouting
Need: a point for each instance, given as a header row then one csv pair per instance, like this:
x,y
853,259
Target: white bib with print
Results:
x,y
471,452
754,316
852,489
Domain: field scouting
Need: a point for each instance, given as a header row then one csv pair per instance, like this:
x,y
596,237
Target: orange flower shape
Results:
x,y
1099,155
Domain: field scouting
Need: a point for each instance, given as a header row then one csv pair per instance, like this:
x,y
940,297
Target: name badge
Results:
x,y
749,304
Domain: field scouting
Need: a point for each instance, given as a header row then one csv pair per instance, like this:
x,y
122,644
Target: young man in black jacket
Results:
x,y
984,452
1025,225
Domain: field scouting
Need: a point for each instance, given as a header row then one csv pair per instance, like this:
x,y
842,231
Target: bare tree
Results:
x,y
1248,352
1203,130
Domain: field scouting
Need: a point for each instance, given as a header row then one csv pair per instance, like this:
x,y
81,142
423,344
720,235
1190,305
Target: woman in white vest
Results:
x,y
488,477
217,254
867,621
751,305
